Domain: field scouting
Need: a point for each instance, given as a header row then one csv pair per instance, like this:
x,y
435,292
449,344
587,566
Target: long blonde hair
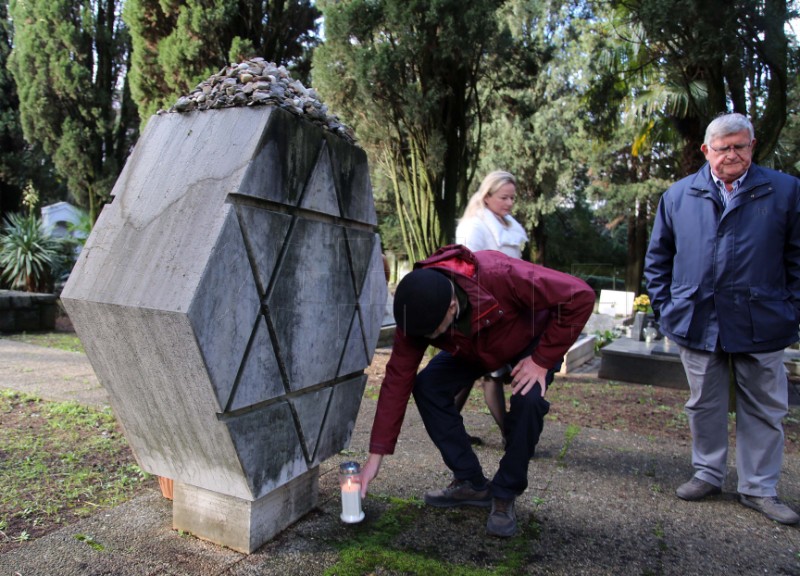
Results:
x,y
489,186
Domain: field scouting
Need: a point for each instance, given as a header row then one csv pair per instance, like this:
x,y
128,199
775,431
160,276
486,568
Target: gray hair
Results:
x,y
726,124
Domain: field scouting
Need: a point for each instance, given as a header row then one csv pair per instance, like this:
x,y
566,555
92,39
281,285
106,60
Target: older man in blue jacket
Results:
x,y
723,273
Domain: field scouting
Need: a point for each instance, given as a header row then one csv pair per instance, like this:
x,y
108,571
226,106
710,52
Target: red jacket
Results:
x,y
512,302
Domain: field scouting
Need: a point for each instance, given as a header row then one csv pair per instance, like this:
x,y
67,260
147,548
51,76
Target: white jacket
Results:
x,y
484,231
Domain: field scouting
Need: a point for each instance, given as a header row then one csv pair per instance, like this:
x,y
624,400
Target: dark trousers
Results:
x,y
434,392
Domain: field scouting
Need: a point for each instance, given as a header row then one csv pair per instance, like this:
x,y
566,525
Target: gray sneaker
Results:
x,y
771,507
459,493
502,519
696,489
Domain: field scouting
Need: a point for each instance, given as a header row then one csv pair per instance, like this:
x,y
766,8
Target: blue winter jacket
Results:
x,y
727,274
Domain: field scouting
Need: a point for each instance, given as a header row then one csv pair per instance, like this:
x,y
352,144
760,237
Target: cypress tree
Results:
x,y
69,62
180,43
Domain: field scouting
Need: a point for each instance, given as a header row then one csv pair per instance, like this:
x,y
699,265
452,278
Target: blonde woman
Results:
x,y
487,224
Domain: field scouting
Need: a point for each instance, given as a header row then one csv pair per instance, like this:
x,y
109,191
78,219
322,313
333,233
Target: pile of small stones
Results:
x,y
257,82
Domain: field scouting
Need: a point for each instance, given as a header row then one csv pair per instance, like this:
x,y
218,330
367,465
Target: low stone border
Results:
x,y
27,311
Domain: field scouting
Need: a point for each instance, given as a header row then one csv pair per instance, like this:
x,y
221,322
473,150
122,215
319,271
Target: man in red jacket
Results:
x,y
484,310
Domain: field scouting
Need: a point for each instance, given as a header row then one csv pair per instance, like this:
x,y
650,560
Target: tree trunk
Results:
x,y
775,55
538,246
637,248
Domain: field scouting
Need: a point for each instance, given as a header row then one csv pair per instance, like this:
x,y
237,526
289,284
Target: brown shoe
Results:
x,y
696,489
502,519
459,493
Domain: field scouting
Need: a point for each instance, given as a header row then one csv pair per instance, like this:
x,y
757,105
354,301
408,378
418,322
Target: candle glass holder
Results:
x,y
350,483
650,332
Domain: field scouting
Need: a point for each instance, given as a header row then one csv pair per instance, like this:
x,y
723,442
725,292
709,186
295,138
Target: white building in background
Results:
x,y
57,218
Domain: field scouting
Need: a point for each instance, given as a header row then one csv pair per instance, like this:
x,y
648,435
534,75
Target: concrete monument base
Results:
x,y
243,525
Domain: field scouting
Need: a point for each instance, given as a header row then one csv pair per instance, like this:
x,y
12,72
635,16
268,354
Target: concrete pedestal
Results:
x,y
243,525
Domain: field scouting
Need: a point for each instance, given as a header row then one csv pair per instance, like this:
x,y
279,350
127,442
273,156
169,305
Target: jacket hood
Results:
x,y
455,257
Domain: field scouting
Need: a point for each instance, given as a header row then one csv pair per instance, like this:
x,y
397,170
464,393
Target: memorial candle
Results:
x,y
350,482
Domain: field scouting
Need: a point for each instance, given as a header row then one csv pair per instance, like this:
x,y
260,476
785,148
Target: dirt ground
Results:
x,y
586,401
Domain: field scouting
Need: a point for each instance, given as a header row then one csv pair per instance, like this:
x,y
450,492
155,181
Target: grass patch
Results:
x,y
373,550
68,341
569,435
59,461
89,541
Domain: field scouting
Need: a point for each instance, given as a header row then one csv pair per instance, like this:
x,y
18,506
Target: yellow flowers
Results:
x,y
641,303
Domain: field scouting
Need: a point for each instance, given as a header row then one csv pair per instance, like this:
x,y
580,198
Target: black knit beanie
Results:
x,y
421,301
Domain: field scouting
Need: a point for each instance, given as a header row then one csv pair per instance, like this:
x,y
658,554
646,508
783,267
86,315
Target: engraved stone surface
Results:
x,y
231,295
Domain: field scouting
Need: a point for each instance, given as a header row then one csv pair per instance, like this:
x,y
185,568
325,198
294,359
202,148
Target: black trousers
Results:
x,y
434,392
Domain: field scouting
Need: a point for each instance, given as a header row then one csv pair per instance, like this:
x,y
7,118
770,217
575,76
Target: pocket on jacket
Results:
x,y
676,315
772,314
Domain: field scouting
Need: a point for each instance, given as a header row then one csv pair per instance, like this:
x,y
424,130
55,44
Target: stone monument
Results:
x,y
229,299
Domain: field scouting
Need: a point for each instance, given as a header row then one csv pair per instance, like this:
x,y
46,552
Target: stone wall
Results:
x,y
27,311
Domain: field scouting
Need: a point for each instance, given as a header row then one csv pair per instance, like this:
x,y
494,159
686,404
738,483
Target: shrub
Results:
x,y
28,254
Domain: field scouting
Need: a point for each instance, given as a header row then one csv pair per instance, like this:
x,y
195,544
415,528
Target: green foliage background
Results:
x,y
69,63
178,44
594,106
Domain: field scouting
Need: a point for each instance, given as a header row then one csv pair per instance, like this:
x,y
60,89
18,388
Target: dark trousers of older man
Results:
x,y
435,389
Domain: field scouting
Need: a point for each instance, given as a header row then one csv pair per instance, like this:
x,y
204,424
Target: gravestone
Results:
x,y
615,303
229,299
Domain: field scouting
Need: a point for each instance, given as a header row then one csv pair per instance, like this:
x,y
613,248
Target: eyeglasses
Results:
x,y
737,148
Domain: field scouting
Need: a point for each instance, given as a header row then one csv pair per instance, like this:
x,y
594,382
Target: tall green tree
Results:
x,y
20,162
721,56
534,116
627,187
405,75
633,147
787,153
69,62
662,70
11,141
178,43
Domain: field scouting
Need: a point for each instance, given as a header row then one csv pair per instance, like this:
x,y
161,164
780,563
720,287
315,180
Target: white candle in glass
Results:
x,y
351,501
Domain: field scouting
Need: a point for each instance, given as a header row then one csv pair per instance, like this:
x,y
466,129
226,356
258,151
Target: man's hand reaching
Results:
x,y
369,472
